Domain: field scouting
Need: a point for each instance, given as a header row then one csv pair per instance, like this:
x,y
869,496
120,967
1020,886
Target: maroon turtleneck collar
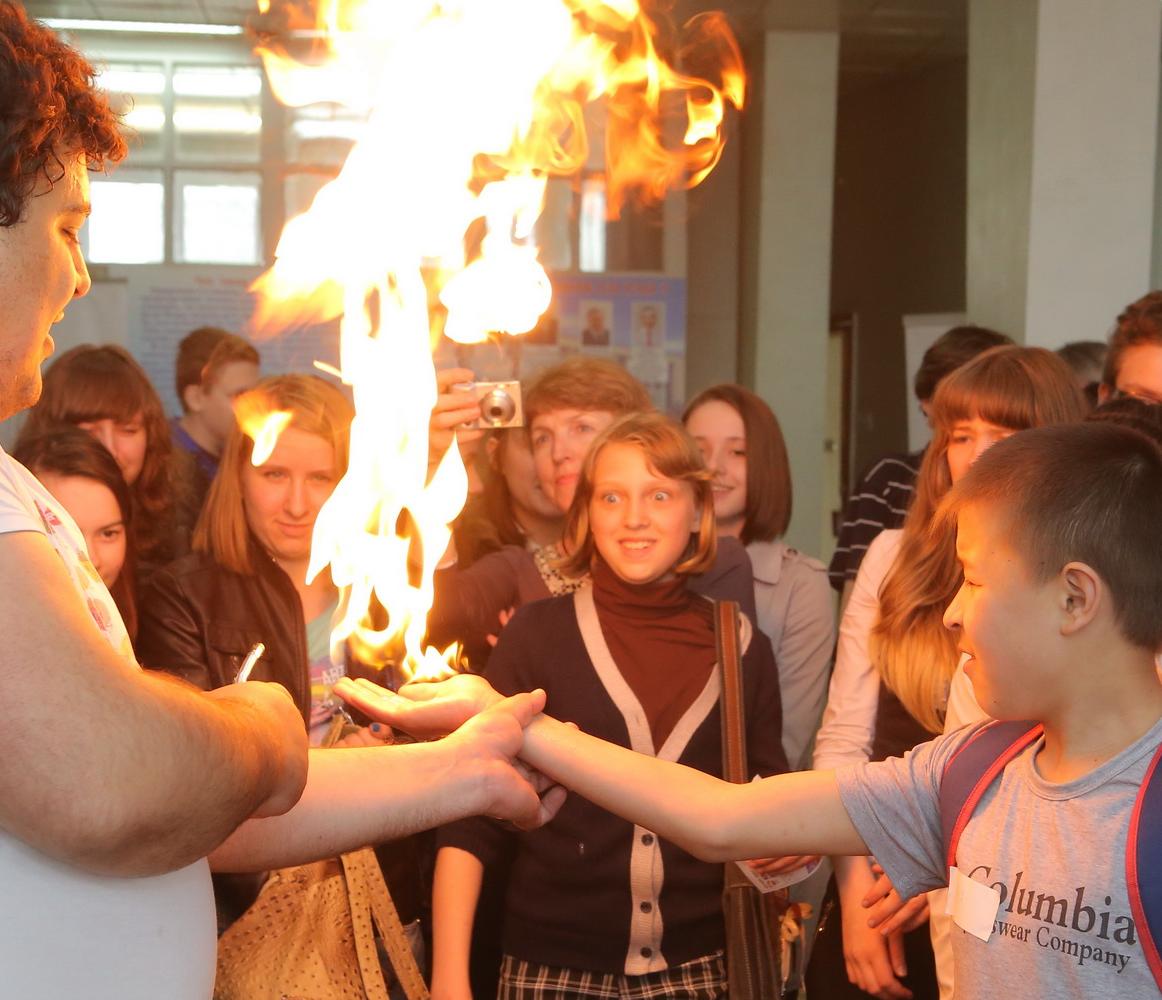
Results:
x,y
645,601
661,636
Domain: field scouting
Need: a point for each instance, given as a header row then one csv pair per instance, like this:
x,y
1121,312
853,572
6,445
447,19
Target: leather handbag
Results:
x,y
752,945
312,935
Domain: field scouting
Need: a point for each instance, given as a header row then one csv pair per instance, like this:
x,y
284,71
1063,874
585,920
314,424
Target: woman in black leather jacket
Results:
x,y
245,581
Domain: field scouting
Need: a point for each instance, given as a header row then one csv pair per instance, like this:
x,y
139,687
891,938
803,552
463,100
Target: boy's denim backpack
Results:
x,y
978,763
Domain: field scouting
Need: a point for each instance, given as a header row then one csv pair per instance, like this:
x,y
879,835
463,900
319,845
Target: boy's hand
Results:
x,y
887,912
487,746
424,709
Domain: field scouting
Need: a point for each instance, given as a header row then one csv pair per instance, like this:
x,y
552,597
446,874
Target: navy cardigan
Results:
x,y
590,890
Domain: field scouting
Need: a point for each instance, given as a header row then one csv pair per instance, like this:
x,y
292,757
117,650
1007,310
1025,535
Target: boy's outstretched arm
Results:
x,y
799,813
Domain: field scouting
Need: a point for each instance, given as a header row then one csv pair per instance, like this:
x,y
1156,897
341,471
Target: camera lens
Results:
x,y
497,408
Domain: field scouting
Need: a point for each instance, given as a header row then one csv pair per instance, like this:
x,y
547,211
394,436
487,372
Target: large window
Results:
x,y
191,189
216,166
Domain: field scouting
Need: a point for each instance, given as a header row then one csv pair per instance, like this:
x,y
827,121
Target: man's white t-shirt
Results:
x,y
64,932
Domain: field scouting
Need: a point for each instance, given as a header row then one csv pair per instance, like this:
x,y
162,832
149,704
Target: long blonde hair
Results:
x,y
316,407
1011,387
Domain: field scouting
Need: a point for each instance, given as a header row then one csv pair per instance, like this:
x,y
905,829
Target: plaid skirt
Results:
x,y
700,979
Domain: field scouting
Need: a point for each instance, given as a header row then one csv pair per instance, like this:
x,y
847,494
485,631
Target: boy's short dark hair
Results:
x,y
585,383
50,109
203,353
1090,493
949,351
1129,411
1139,323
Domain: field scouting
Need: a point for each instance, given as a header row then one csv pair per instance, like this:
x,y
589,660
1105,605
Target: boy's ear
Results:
x,y
193,397
1081,594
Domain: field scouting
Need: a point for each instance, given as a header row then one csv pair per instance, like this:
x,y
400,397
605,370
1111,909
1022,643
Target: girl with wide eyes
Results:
x,y
103,391
593,904
565,409
895,658
83,476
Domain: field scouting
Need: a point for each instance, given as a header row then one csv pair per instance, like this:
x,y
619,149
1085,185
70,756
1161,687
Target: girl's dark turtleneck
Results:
x,y
661,636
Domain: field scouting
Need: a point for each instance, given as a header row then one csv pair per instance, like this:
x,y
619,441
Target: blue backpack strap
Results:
x,y
1144,865
972,769
976,765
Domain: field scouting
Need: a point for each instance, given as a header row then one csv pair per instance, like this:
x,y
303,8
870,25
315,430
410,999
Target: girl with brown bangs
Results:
x,y
895,659
104,391
743,445
597,907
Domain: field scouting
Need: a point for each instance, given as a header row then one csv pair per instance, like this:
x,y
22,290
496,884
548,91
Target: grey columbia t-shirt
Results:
x,y
1055,852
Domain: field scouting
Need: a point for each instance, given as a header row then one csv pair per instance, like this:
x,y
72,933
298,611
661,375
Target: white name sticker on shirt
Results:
x,y
972,905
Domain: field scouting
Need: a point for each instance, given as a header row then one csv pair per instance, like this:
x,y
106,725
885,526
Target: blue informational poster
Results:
x,y
639,321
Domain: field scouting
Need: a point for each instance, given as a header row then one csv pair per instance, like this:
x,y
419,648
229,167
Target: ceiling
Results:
x,y
878,37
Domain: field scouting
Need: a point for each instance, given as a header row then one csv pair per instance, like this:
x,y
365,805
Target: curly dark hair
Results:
x,y
1139,323
49,107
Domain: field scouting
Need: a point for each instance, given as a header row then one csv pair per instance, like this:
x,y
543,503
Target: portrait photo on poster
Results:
x,y
597,317
648,324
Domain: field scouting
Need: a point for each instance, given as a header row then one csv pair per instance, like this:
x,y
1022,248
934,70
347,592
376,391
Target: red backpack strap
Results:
x,y
1144,865
972,769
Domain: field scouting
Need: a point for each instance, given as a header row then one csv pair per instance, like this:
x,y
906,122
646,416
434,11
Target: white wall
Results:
x,y
786,358
1063,122
1094,143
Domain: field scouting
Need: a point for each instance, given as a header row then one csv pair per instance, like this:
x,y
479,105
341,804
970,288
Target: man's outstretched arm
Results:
x,y
113,769
366,795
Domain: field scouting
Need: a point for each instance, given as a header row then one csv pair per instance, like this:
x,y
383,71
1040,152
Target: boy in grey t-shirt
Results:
x,y
1060,614
1055,852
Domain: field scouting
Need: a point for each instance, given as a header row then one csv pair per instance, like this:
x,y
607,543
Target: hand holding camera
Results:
x,y
498,403
465,408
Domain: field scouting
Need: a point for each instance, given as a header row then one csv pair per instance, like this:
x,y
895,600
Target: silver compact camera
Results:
x,y
500,403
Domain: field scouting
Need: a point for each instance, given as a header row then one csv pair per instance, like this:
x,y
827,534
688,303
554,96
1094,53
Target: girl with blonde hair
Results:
x,y
895,659
246,580
595,905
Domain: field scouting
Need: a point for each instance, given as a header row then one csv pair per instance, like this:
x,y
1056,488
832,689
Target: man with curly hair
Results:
x,y
107,771
102,766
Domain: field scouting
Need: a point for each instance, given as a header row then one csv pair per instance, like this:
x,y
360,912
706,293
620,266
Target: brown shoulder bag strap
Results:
x,y
730,669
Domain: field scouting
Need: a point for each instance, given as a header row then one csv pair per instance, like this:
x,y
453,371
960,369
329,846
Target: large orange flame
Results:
x,y
471,106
